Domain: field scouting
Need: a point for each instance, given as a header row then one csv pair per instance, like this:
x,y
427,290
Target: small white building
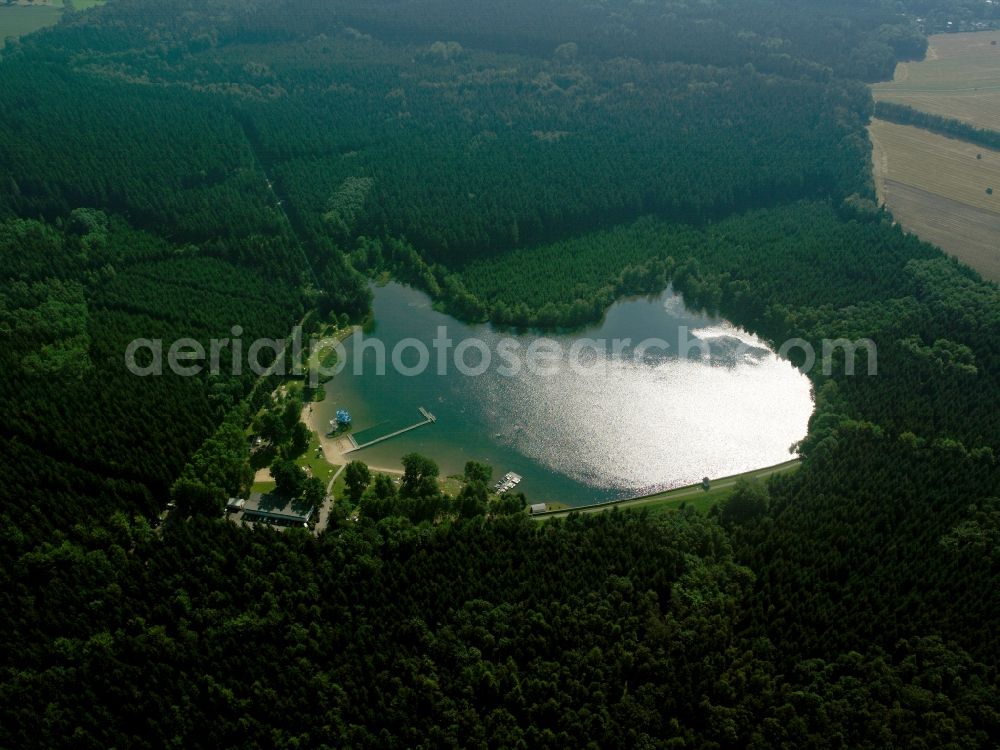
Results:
x,y
235,505
539,508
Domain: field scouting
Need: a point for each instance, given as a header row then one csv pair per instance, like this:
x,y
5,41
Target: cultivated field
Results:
x,y
960,78
936,187
23,18
18,20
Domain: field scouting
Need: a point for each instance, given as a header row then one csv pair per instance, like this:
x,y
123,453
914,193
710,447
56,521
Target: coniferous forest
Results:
x,y
173,169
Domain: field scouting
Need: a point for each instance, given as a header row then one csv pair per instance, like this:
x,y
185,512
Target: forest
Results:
x,y
174,169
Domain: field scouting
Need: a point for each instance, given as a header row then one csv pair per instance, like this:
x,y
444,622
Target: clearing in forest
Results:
x,y
944,190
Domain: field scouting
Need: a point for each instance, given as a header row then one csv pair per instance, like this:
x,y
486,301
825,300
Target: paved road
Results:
x,y
324,511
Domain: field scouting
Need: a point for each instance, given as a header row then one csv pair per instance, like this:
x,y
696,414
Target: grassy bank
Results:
x,y
693,495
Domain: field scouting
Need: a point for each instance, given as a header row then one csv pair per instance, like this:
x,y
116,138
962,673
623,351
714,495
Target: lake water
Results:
x,y
592,424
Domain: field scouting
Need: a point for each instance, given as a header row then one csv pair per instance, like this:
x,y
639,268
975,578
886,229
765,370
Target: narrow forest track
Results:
x,y
279,201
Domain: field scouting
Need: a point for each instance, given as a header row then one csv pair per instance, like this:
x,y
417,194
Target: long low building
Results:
x,y
273,509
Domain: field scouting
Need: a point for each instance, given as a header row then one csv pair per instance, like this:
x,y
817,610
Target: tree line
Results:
x,y
903,114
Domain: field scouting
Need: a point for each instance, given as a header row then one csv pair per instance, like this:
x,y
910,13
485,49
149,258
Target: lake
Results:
x,y
589,421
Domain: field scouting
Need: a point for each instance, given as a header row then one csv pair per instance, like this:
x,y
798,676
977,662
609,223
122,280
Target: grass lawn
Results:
x,y
703,501
451,485
317,464
323,357
340,487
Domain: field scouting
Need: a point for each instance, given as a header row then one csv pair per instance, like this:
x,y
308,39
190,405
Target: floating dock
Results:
x,y
428,418
509,482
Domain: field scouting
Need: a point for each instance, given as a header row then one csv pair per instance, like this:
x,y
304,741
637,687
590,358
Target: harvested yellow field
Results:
x,y
960,78
937,188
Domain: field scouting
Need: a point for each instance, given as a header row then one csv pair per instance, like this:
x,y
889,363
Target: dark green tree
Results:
x,y
195,498
357,477
313,492
383,487
271,427
748,501
298,441
477,472
420,476
472,500
289,478
291,415
509,504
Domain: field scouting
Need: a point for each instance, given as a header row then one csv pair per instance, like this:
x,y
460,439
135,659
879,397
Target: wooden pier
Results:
x,y
428,418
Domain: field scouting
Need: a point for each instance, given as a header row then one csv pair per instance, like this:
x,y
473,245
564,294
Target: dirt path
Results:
x,y
880,167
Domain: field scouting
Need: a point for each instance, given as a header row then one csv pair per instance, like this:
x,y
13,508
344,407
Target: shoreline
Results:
x,y
678,493
334,447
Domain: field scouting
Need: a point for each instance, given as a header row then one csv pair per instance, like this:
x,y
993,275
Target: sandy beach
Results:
x,y
334,448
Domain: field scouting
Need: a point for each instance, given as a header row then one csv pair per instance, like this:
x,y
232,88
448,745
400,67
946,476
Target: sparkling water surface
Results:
x,y
610,426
